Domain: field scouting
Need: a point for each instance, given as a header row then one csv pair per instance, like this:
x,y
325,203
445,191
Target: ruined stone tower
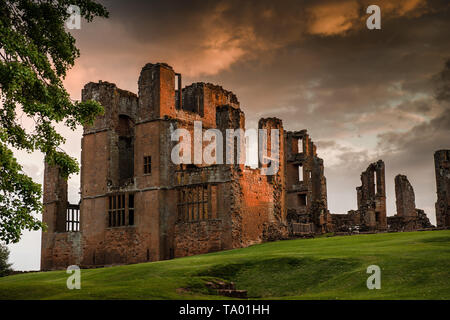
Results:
x,y
404,197
306,186
442,169
371,196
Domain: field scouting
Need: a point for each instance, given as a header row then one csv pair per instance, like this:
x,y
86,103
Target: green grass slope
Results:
x,y
414,265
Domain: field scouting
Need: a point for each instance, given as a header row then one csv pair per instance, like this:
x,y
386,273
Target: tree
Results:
x,y
5,267
35,54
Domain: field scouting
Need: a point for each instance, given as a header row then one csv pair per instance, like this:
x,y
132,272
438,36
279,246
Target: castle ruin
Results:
x,y
137,205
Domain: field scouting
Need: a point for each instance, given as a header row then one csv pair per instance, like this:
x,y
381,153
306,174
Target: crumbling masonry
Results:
x,y
442,168
371,199
137,205
307,208
408,217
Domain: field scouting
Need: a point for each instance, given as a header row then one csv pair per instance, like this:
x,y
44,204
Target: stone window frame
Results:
x,y
72,218
147,165
194,203
119,213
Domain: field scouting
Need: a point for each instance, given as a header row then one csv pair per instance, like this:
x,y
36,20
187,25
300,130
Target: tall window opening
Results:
x,y
126,149
73,218
147,165
178,91
120,210
375,182
300,145
131,209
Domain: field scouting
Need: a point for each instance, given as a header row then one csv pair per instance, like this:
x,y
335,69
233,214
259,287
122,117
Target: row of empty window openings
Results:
x,y
121,210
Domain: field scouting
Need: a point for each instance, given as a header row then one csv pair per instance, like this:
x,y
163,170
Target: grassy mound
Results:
x,y
414,265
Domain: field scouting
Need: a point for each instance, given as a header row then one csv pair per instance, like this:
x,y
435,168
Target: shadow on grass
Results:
x,y
278,277
444,239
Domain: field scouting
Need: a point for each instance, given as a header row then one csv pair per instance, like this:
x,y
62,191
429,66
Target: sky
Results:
x,y
362,94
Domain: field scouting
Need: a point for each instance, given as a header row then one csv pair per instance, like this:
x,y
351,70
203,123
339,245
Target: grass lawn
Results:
x,y
414,265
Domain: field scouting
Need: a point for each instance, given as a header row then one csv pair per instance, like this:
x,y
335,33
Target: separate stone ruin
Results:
x,y
306,190
442,168
371,199
408,217
137,205
371,213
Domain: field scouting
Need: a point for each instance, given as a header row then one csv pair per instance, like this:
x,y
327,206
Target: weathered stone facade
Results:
x,y
306,188
371,197
137,205
405,199
408,217
346,222
371,200
442,169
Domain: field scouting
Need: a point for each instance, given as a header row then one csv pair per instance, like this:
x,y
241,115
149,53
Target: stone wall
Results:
x,y
306,186
198,237
442,169
408,217
61,249
372,198
405,198
138,205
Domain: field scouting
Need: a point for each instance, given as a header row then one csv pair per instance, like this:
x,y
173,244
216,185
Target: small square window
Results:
x,y
147,165
302,200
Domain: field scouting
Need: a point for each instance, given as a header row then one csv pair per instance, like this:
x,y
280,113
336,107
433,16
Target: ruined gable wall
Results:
x,y
405,198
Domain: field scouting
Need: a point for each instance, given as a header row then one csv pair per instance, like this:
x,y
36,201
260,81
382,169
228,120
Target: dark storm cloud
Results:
x,y
313,64
423,139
